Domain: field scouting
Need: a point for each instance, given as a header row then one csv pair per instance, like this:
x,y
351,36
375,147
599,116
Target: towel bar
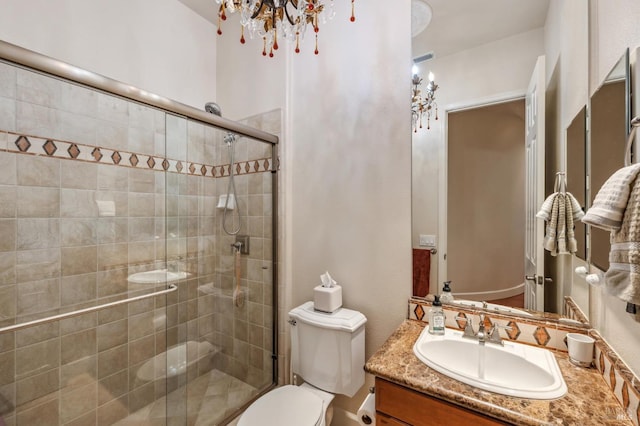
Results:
x,y
27,324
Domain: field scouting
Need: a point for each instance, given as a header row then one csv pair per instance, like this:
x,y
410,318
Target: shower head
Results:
x,y
213,108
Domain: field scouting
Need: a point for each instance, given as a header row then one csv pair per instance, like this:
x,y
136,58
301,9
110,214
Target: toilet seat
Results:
x,y
286,405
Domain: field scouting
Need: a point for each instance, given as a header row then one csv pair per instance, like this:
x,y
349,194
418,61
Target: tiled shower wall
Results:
x,y
94,188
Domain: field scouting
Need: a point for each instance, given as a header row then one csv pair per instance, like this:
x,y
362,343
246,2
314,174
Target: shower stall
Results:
x,y
119,287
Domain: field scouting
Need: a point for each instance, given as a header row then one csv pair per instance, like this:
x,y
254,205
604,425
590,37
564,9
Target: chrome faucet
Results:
x,y
483,336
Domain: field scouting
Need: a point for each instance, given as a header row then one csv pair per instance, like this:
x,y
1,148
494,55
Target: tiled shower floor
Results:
x,y
209,399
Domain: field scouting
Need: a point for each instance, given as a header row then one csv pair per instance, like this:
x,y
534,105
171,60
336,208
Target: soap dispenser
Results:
x,y
446,296
436,317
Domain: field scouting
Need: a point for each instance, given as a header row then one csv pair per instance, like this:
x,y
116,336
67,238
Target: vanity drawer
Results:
x,y
415,408
384,420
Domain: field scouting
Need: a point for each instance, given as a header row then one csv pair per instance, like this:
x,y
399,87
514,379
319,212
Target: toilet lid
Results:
x,y
286,405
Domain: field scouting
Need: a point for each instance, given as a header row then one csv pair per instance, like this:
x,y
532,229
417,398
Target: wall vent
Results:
x,y
426,57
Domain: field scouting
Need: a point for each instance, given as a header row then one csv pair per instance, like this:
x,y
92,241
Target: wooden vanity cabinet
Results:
x,y
400,406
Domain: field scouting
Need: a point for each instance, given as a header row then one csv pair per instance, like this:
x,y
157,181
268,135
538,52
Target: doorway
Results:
x,y
485,201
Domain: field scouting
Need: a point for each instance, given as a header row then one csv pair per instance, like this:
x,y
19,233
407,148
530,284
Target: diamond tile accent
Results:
x,y
96,154
461,320
601,363
625,396
49,147
23,144
514,331
487,322
542,336
53,148
612,377
419,312
73,151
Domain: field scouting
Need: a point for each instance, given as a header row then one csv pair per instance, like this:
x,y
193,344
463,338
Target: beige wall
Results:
x,y
350,166
155,45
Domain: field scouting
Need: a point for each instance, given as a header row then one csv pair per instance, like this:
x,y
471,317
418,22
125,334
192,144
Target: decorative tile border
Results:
x,y
573,311
618,376
32,145
531,331
621,380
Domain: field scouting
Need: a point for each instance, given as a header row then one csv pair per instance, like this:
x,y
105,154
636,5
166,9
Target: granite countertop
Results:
x,y
589,401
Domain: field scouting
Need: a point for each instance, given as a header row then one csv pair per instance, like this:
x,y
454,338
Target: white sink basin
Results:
x,y
513,369
156,277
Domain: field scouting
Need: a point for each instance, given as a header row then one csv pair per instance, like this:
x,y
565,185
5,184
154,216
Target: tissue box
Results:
x,y
327,299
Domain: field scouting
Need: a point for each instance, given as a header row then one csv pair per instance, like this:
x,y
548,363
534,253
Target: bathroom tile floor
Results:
x,y
209,399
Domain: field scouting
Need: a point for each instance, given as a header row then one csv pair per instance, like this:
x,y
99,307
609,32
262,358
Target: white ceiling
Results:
x,y
208,9
455,25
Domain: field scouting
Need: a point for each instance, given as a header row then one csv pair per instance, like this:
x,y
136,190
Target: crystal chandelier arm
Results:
x,y
258,10
286,10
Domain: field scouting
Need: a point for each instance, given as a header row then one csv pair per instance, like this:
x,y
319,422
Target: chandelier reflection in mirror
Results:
x,y
277,19
423,107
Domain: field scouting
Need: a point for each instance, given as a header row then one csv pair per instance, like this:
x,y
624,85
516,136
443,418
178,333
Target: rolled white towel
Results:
x,y
611,200
547,206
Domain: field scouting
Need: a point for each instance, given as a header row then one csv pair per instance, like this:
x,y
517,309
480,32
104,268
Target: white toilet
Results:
x,y
327,351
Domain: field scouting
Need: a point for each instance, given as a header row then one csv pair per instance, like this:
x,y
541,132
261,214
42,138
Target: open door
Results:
x,y
534,190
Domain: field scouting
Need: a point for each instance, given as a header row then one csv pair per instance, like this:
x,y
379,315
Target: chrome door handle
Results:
x,y
538,280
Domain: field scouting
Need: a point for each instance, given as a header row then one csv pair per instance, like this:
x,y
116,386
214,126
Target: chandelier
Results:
x,y
423,107
275,20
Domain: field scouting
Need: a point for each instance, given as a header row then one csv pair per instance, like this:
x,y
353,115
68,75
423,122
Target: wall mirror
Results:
x,y
501,66
576,136
609,126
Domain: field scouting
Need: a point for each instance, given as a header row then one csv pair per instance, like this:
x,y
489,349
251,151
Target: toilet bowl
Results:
x,y
290,405
327,351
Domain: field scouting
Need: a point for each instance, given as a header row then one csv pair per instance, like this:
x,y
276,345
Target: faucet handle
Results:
x,y
494,333
468,327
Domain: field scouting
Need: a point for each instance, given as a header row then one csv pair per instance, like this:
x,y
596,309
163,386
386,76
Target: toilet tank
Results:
x,y
327,349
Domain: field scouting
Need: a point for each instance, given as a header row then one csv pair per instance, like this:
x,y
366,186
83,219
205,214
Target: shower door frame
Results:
x,y
52,67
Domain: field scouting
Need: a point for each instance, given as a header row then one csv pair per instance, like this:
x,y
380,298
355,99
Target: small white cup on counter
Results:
x,y
580,348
